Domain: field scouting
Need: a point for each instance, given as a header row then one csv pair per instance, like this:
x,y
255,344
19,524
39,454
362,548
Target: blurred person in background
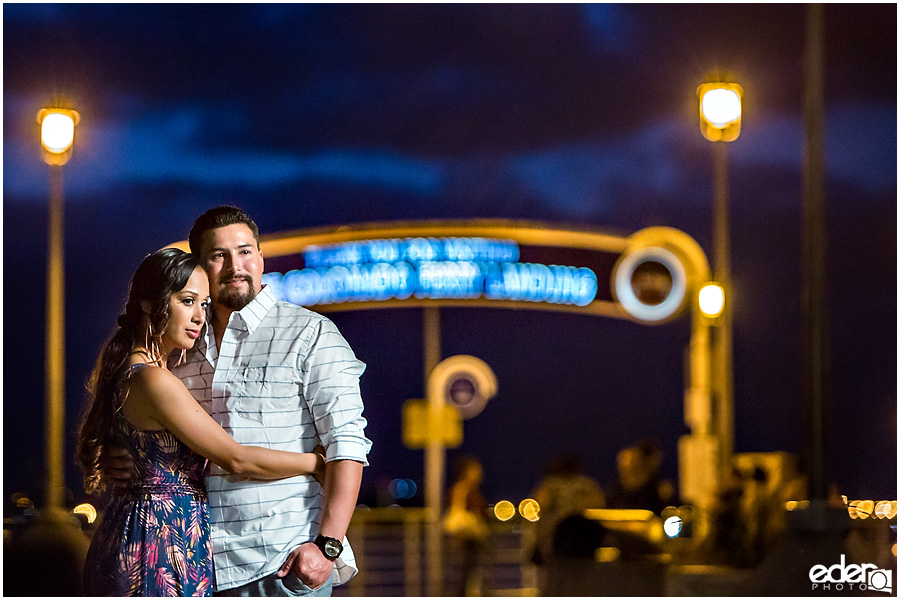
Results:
x,y
565,491
639,483
465,524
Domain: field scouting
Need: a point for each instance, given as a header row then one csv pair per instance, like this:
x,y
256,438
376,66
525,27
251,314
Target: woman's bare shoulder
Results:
x,y
152,381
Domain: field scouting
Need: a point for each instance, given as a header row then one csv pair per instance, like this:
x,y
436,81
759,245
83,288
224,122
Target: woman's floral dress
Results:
x,y
154,537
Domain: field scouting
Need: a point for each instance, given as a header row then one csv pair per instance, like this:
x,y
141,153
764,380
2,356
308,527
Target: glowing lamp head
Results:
x,y
712,300
720,111
57,133
721,107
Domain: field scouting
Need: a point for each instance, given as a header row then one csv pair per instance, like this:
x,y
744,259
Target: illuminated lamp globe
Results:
x,y
57,132
721,107
712,300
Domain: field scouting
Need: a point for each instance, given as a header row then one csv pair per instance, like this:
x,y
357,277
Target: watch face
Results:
x,y
333,548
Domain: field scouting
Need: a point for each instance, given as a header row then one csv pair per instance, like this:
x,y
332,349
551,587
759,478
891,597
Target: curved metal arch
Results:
x,y
529,233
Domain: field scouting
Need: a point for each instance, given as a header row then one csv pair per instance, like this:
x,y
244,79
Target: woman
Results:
x,y
155,536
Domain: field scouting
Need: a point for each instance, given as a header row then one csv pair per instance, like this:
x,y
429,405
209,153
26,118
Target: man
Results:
x,y
277,375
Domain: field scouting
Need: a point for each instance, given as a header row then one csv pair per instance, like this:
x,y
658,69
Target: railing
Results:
x,y
389,545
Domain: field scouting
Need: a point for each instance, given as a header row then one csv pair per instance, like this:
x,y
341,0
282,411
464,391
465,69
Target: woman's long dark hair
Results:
x,y
146,315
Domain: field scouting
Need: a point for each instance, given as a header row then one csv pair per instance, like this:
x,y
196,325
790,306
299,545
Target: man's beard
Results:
x,y
235,299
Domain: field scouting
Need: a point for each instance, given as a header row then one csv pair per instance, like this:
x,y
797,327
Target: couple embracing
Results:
x,y
228,428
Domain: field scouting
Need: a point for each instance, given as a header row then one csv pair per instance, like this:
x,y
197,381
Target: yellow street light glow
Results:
x,y
504,510
720,111
721,107
712,300
618,514
530,509
865,509
607,554
87,510
57,129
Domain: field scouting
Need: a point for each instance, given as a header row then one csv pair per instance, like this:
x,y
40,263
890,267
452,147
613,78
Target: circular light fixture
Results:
x,y
650,283
466,383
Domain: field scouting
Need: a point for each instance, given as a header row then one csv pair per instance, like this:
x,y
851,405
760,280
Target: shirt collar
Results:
x,y
252,315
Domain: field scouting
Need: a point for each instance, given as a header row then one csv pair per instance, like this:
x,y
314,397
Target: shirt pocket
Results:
x,y
270,394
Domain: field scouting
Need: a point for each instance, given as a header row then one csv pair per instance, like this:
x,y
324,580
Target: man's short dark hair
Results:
x,y
220,216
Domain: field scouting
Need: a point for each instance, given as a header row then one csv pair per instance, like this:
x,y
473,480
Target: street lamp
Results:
x,y
57,139
720,111
56,535
712,300
720,122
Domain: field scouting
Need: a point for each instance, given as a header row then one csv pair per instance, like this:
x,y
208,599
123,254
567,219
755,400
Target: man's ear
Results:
x,y
146,306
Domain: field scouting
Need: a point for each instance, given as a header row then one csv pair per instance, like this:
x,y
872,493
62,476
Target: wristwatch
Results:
x,y
329,546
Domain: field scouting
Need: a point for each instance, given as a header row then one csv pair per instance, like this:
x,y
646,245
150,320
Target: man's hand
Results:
x,y
117,466
308,564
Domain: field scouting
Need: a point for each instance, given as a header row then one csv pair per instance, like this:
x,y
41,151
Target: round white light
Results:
x,y
672,526
627,296
721,107
712,300
57,132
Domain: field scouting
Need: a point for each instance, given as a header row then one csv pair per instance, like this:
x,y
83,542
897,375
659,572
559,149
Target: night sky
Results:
x,y
572,115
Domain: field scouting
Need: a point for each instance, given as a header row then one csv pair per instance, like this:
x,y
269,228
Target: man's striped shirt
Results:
x,y
283,378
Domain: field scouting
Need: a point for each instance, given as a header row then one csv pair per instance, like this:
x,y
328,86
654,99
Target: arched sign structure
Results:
x,y
650,276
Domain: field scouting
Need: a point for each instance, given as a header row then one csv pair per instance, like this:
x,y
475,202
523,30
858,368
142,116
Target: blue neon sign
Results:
x,y
438,268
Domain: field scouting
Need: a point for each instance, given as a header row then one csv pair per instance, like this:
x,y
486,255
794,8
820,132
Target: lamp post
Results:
x,y
55,538
720,123
57,138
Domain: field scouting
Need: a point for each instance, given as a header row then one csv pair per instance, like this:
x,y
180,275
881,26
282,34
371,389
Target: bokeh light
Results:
x,y
504,510
672,526
87,510
402,488
530,509
865,509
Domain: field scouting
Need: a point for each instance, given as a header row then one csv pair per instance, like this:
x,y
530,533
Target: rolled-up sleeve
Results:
x,y
331,375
